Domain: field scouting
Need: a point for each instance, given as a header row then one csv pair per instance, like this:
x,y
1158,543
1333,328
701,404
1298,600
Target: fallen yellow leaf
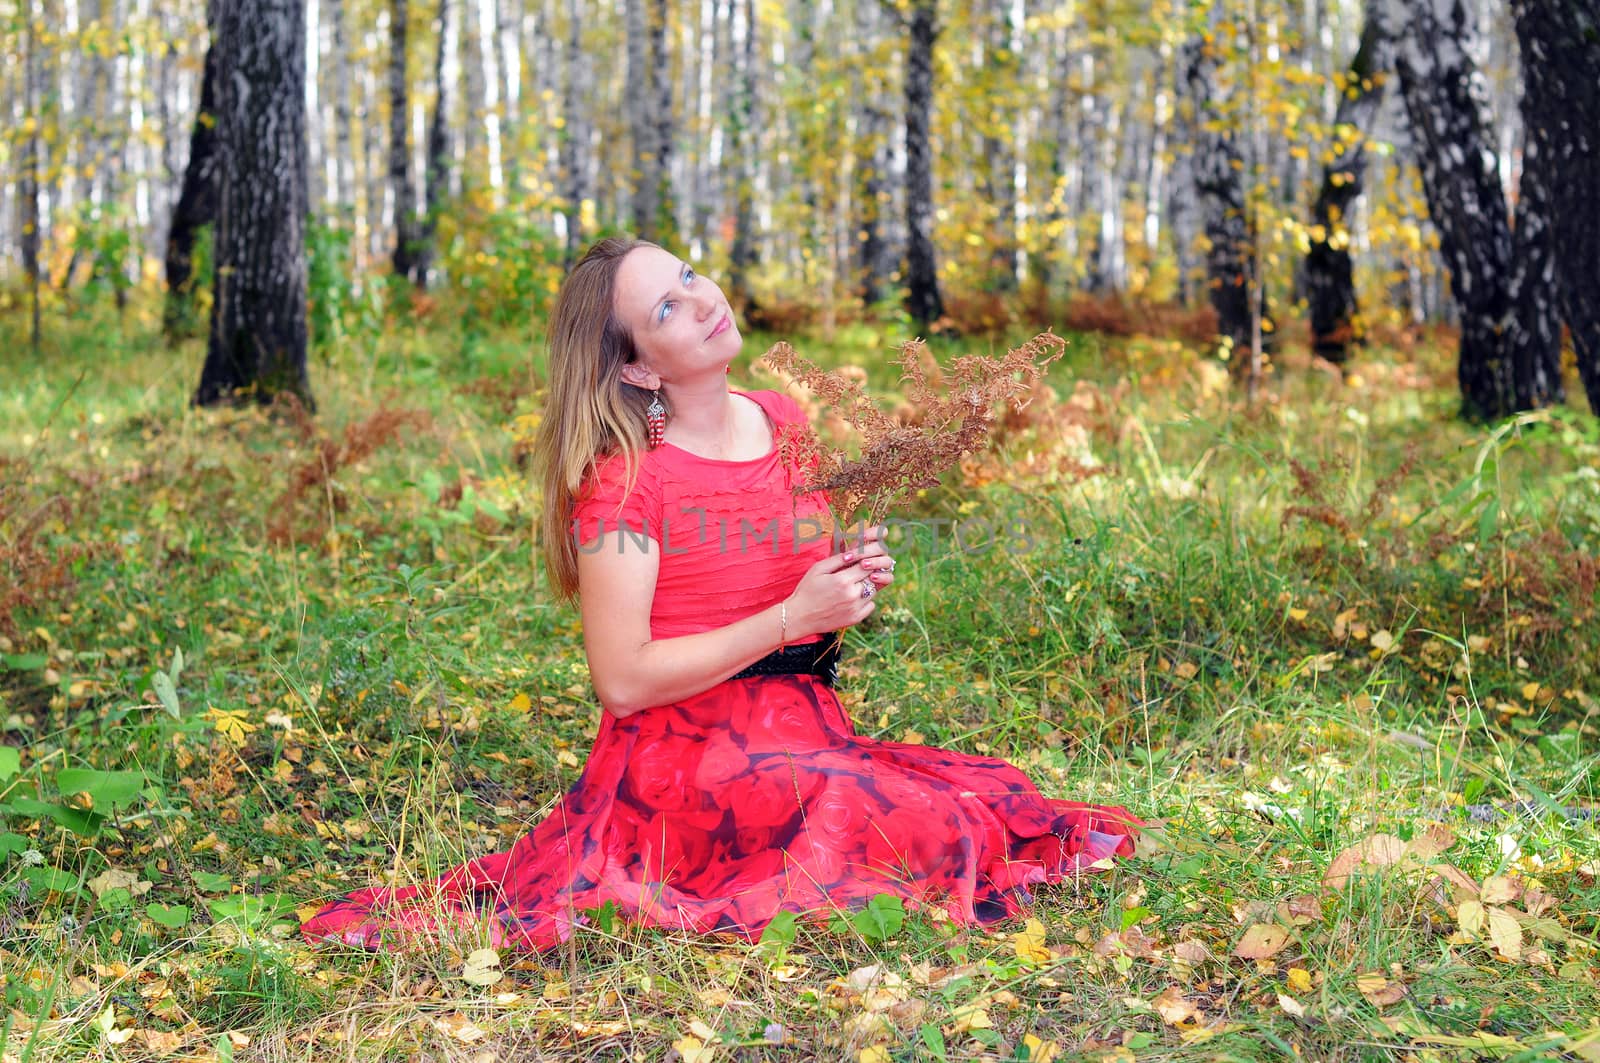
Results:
x,y
1378,989
1261,941
1029,943
1505,933
972,1018
1499,889
1174,1009
458,1026
1040,1051
693,1050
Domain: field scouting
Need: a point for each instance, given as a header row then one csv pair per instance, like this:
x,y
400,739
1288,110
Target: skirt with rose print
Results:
x,y
718,812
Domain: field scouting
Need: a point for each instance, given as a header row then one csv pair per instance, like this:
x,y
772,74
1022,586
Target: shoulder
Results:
x,y
782,408
610,478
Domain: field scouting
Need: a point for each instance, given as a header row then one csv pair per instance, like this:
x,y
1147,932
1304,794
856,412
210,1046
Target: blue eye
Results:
x,y
688,278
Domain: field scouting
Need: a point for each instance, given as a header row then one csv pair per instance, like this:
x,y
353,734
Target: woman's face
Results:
x,y
681,324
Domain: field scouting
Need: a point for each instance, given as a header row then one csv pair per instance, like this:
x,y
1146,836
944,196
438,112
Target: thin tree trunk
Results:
x,y
1055,217
315,146
487,82
1560,42
1331,293
257,345
650,117
922,274
405,232
438,165
1156,172
374,176
873,122
574,178
344,164
197,202
742,117
641,100
473,130
1217,164
1183,205
998,146
31,219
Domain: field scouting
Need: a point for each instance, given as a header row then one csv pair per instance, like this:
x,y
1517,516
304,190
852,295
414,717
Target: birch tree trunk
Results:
x,y
475,94
872,124
1533,333
1054,218
257,346
197,202
1331,293
438,165
1560,42
650,117
400,187
374,167
1216,166
344,165
1447,106
32,221
641,100
1183,204
1003,54
922,273
578,89
487,83
743,144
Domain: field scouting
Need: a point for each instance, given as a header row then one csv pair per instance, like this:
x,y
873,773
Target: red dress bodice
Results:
x,y
733,536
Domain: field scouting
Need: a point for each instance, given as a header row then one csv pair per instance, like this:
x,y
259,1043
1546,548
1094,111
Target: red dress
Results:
x,y
756,796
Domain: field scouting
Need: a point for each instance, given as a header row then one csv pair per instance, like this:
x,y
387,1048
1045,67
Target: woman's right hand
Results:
x,y
830,594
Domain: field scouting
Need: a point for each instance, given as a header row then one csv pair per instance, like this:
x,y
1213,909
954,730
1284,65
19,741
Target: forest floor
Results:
x,y
1302,639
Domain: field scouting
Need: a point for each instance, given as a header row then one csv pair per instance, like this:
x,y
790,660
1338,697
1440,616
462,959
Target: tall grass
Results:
x,y
1277,631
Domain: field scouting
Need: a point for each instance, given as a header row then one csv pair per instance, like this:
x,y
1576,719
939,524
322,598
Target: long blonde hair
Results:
x,y
589,410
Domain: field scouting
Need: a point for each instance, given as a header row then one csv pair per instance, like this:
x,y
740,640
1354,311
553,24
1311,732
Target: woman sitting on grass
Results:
x,y
726,783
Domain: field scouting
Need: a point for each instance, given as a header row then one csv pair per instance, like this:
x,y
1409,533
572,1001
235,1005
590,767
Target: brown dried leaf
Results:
x,y
1301,910
1378,989
1261,941
1174,1009
1380,850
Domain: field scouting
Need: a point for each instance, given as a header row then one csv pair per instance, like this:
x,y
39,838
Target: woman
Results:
x,y
726,783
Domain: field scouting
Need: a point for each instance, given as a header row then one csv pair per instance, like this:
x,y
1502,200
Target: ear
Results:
x,y
640,377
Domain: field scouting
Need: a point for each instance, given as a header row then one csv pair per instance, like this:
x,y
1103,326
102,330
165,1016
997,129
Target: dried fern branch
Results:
x,y
952,412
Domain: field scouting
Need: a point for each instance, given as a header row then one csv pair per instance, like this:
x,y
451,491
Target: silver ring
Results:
x,y
866,589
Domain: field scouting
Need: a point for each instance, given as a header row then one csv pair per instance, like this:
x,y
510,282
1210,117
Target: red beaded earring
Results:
x,y
655,419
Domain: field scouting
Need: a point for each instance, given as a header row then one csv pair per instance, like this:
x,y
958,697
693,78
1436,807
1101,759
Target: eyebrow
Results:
x,y
654,321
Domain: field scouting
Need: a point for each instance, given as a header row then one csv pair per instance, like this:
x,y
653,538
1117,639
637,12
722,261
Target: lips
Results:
x,y
722,325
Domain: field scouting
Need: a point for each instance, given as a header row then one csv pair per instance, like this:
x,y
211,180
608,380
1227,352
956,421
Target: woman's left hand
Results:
x,y
874,561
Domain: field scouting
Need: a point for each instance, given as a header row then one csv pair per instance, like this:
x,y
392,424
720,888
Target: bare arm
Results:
x,y
631,671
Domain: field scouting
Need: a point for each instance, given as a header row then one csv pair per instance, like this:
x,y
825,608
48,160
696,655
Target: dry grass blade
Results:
x,y
952,413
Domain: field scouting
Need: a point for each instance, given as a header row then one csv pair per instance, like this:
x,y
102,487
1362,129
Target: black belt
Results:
x,y
820,659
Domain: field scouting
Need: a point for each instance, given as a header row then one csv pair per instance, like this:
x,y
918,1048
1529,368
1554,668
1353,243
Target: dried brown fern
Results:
x,y
949,414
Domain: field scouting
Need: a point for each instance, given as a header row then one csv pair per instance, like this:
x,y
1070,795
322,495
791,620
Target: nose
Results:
x,y
705,303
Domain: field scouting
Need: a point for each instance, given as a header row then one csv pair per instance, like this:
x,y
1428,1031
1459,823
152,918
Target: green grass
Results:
x,y
1277,631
